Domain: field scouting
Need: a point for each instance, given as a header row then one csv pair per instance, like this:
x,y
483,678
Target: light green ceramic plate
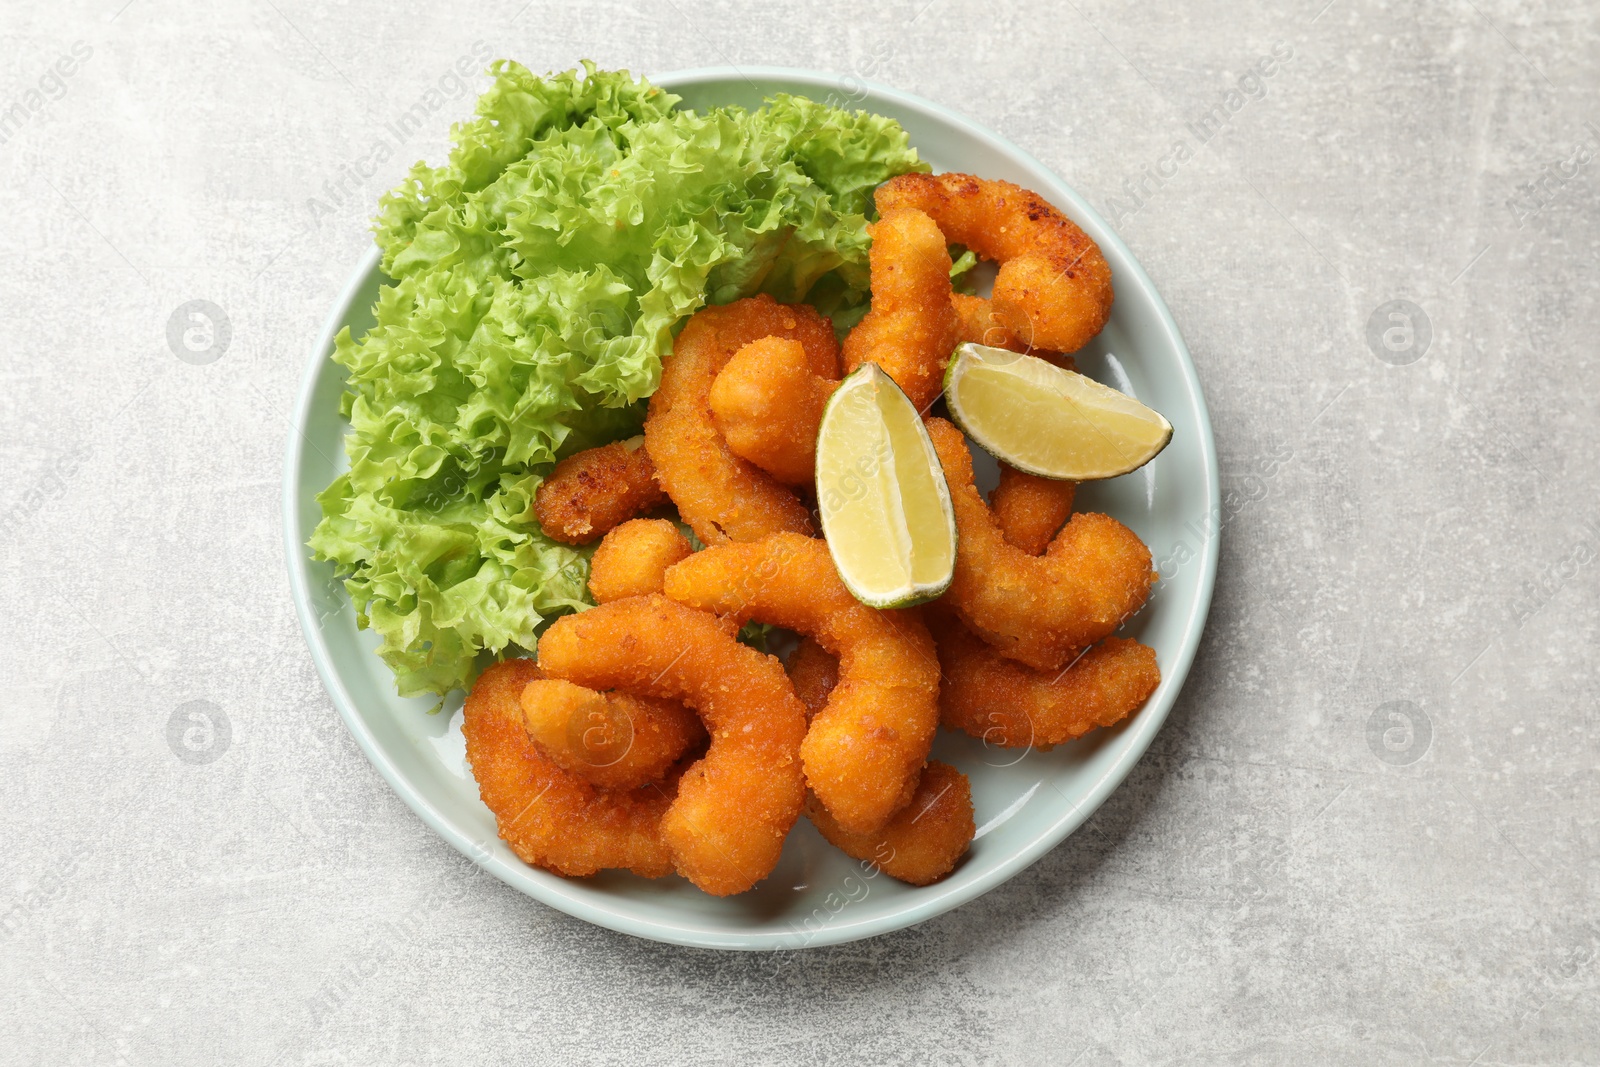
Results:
x,y
1026,801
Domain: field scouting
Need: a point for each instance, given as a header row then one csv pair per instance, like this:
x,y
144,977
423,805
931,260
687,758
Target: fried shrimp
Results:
x,y
550,817
614,740
865,748
981,326
814,671
1037,609
1053,290
912,327
722,497
633,557
725,829
923,841
768,404
1029,510
1013,706
591,491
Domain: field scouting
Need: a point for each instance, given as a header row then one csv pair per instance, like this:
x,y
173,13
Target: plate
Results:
x,y
1026,802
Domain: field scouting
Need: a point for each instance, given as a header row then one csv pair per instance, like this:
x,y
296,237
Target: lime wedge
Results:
x,y
882,496
1047,421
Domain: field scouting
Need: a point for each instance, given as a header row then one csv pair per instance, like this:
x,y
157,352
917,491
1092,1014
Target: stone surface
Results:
x,y
1289,876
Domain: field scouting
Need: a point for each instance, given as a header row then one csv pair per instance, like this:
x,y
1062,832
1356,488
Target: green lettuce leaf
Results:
x,y
537,278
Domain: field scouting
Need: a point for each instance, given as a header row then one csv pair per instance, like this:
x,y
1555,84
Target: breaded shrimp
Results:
x,y
768,404
633,557
912,326
722,497
814,671
1029,510
1053,290
981,326
1037,609
1013,706
615,740
726,828
591,491
550,817
864,750
923,841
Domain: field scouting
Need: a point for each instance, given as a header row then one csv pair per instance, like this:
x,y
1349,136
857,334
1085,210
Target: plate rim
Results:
x,y
932,900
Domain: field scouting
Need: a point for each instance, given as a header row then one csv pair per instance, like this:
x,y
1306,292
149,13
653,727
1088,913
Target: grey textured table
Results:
x,y
1368,833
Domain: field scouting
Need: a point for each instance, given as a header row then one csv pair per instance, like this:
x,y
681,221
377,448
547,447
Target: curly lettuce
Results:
x,y
536,279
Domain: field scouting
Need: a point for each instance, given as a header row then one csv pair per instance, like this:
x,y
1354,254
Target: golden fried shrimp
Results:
x,y
1013,706
613,740
726,827
722,497
912,326
768,404
633,557
864,750
550,817
591,491
923,841
1053,290
814,671
1037,609
1029,510
981,326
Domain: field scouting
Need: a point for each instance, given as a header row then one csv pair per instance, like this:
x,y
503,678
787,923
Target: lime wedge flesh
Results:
x,y
882,496
1047,421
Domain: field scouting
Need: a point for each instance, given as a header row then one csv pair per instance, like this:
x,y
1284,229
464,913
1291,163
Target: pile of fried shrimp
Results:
x,y
647,737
